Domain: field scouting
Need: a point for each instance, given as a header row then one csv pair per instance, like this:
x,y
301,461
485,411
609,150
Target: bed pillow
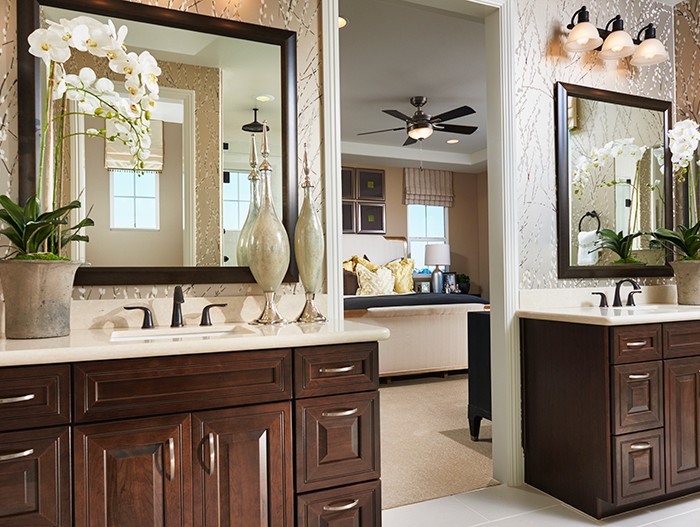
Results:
x,y
349,265
379,282
350,284
403,274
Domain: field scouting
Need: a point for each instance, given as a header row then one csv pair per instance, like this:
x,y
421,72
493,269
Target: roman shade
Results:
x,y
428,187
118,156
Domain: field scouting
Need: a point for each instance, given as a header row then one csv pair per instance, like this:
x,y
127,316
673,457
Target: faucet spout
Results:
x,y
178,300
618,301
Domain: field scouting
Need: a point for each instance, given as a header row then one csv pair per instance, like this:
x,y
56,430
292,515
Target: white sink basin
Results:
x,y
194,332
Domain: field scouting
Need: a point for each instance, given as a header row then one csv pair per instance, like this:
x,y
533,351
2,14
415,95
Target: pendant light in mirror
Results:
x,y
255,127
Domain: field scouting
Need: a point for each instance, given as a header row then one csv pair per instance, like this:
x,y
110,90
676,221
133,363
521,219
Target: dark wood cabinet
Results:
x,y
352,506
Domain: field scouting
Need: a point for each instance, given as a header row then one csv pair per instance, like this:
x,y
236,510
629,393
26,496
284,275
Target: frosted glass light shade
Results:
x,y
419,132
584,37
617,46
650,51
437,254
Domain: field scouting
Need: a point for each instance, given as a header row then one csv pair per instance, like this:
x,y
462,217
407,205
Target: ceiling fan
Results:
x,y
421,125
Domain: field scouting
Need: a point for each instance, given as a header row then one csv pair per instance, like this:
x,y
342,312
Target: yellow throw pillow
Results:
x,y
379,282
351,264
403,274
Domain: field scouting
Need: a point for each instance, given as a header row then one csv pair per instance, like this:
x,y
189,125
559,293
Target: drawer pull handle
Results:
x,y
639,376
17,455
342,369
640,446
340,413
212,454
10,400
637,344
339,508
171,453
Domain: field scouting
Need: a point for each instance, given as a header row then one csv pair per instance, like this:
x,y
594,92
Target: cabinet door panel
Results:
x,y
640,466
681,339
133,473
638,399
35,478
351,506
682,378
243,473
637,343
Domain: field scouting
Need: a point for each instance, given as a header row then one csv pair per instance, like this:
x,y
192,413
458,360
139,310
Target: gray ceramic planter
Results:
x,y
37,297
687,274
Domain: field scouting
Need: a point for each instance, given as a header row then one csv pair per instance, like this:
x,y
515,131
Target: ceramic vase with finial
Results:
x,y
268,246
308,248
254,178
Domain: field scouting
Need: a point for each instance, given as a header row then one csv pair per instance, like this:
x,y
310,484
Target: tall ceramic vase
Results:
x,y
308,248
268,248
244,239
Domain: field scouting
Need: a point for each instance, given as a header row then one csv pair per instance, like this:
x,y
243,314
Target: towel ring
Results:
x,y
591,214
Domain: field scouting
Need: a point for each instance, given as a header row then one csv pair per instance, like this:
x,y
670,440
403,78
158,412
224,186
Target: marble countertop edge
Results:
x,y
615,316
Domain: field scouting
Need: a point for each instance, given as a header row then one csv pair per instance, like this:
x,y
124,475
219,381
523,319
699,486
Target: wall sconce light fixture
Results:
x,y
613,41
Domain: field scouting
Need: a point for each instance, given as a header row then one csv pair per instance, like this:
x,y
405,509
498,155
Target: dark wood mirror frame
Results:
x,y
565,269
30,114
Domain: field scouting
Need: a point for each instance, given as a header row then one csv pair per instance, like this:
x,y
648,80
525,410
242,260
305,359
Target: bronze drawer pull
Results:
x,y
640,446
212,454
10,400
342,369
639,376
17,455
338,508
637,344
171,449
340,413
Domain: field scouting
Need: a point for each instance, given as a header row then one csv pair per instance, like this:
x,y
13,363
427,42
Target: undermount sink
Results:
x,y
195,332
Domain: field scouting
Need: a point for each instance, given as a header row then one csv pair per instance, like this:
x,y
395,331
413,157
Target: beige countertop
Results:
x,y
615,316
100,344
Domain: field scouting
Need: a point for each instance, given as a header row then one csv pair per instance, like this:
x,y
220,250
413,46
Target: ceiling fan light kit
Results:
x,y
255,127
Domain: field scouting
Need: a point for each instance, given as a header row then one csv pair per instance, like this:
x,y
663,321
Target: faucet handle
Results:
x,y
206,318
147,316
630,297
603,298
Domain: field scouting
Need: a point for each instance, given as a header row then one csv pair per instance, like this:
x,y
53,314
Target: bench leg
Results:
x,y
474,424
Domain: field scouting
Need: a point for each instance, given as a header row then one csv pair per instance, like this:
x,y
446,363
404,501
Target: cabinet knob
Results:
x,y
338,508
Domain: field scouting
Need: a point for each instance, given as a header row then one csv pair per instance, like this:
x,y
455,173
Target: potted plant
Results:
x,y
463,283
36,275
686,270
619,243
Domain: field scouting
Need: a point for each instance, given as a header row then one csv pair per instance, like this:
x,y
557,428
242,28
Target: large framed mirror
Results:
x,y
613,172
215,73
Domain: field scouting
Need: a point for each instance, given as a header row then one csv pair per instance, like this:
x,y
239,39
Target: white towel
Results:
x,y
586,243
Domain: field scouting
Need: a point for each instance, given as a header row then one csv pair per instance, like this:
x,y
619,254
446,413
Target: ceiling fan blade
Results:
x,y
452,114
456,128
387,130
398,115
409,141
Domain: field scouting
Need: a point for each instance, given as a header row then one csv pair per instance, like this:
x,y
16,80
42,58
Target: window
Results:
x,y
236,199
426,224
134,199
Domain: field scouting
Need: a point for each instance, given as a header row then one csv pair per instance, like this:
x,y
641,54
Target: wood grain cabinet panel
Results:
x,y
243,472
134,473
638,397
682,378
637,343
35,485
681,339
351,506
639,461
337,440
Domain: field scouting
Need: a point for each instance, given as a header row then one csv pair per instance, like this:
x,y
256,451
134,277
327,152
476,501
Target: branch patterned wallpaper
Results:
x,y
688,60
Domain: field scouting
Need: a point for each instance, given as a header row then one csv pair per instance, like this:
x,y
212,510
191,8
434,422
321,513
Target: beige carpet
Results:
x,y
426,449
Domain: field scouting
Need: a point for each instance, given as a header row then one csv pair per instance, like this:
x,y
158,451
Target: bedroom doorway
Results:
x,y
444,399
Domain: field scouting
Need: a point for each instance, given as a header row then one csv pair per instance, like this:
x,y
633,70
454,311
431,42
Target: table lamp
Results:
x,y
437,254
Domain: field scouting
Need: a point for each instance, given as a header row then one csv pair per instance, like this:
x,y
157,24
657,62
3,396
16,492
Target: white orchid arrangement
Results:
x,y
683,141
94,96
587,167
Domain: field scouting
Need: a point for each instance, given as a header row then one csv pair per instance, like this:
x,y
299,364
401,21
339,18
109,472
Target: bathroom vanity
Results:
x,y
611,404
243,430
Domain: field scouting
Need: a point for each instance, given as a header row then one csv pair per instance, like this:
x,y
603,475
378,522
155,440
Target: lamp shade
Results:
x,y
650,51
618,45
437,254
420,131
584,37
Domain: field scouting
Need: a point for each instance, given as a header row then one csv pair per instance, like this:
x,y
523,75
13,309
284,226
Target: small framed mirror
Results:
x,y
614,173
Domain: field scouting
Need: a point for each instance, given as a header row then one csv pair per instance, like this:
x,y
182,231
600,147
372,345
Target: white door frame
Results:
x,y
504,257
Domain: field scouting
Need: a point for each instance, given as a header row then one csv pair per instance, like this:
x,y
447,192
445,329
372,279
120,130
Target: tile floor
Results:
x,y
503,506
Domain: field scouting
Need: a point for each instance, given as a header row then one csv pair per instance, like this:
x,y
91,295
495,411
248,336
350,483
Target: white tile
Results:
x,y
500,502
443,512
556,516
689,519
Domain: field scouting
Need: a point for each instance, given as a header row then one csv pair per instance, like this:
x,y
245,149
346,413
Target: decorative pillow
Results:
x,y
403,274
350,284
379,282
349,265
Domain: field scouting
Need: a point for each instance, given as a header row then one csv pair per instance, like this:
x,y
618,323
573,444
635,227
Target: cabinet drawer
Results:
x,y
35,486
638,397
639,466
356,505
34,396
681,339
337,440
336,369
636,343
141,387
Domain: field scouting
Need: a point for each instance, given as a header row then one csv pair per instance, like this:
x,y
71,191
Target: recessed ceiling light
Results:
x,y
342,22
452,141
265,98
